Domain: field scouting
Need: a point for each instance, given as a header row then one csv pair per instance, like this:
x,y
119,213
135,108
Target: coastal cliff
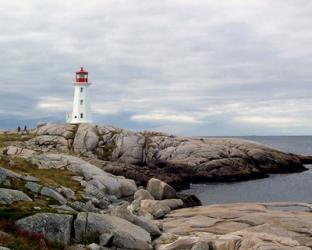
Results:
x,y
176,160
74,187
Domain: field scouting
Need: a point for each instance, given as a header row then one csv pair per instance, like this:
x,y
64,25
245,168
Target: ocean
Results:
x,y
296,187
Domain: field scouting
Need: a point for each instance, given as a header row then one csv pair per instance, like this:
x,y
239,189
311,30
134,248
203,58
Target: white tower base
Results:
x,y
81,106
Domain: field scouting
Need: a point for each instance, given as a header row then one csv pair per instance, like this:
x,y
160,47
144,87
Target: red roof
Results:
x,y
82,71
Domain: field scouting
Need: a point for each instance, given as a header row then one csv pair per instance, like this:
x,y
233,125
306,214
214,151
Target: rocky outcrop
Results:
x,y
98,181
160,190
55,227
143,194
158,209
49,192
175,160
237,226
8,196
125,235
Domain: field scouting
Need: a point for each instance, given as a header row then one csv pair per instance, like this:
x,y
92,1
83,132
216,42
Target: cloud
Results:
x,y
164,118
197,67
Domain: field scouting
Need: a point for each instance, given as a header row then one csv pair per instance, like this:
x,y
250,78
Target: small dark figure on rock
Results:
x,y
25,131
18,129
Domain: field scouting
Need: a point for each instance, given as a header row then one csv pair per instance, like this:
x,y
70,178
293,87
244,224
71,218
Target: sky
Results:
x,y
187,67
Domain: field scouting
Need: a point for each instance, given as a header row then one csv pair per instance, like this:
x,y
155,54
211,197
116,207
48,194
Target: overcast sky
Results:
x,y
206,67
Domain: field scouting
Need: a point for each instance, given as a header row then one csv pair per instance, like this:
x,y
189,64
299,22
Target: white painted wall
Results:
x,y
81,104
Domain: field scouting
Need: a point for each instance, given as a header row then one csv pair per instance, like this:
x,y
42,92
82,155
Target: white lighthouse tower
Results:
x,y
81,106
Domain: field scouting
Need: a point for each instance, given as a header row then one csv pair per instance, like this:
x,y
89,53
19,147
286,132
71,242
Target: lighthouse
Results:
x,y
81,105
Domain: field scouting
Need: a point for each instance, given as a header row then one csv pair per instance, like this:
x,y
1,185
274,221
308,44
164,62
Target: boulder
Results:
x,y
142,194
115,185
147,225
17,151
4,248
129,147
126,234
9,173
67,192
95,188
33,187
155,208
160,190
160,208
55,227
123,212
48,143
56,129
200,246
94,246
30,178
3,176
86,138
8,196
106,239
46,191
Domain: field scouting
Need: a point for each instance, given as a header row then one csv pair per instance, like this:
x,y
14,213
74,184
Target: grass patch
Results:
x,y
20,209
49,177
10,137
19,239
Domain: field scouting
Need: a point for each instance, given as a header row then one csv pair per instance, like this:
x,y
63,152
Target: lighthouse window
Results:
x,y
81,102
81,115
81,90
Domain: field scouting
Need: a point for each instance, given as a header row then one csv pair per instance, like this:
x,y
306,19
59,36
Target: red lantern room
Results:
x,y
81,76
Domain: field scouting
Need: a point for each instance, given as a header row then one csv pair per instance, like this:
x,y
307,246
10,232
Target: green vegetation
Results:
x,y
50,177
21,209
10,137
18,239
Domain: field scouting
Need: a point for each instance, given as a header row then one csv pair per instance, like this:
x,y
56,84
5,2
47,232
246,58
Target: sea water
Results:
x,y
296,187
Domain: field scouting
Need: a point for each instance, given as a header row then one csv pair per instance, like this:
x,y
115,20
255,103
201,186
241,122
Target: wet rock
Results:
x,y
8,196
160,190
55,227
